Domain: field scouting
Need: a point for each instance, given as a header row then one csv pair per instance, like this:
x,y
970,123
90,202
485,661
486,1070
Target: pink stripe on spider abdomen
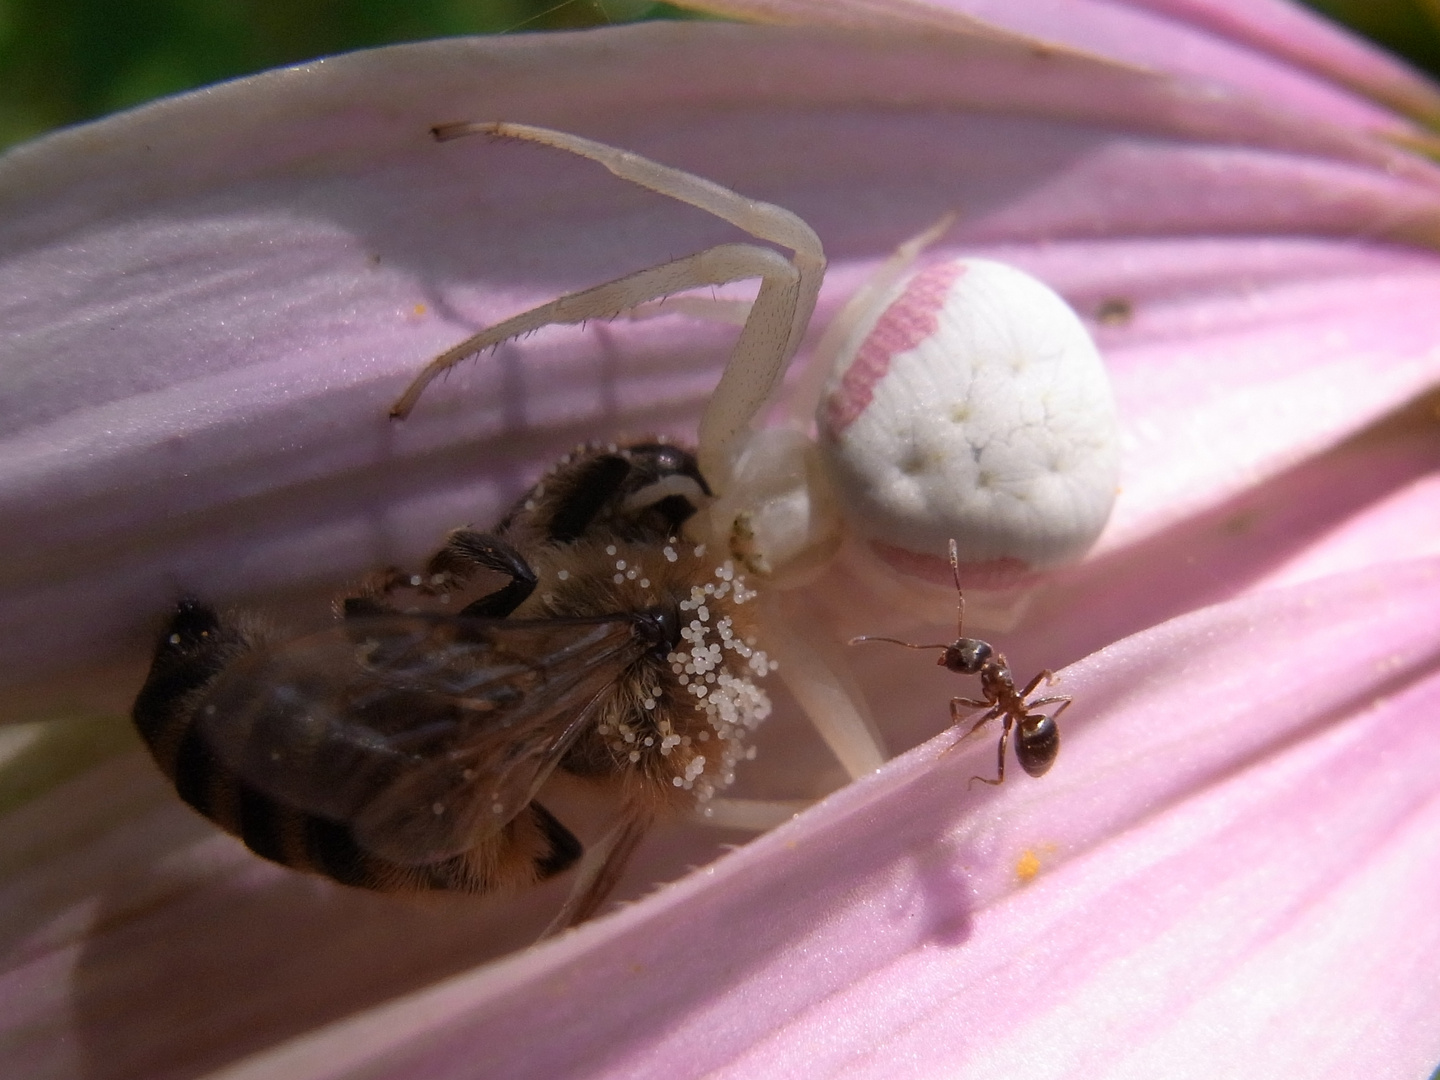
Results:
x,y
913,317
992,575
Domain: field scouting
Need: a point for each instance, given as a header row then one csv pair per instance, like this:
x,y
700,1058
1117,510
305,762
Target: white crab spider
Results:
x,y
881,449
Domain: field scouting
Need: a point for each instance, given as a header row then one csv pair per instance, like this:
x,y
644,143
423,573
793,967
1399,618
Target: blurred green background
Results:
x,y
62,61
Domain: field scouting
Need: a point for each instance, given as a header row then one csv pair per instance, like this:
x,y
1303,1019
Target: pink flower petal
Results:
x,y
1288,32
203,346
915,926
1272,51
203,343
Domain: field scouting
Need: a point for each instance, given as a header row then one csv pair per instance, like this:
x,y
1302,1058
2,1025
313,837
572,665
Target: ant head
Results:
x,y
966,656
1037,742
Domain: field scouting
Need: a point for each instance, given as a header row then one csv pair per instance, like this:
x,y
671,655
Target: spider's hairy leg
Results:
x,y
719,265
778,318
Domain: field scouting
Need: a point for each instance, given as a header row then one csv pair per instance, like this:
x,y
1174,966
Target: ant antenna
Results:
x,y
959,592
959,620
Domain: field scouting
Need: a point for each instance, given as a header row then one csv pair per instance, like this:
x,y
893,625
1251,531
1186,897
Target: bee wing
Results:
x,y
425,734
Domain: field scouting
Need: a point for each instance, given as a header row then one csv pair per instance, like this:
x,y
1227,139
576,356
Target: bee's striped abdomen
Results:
x,y
195,649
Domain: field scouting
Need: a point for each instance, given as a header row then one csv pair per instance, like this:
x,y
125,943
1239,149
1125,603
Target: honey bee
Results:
x,y
405,747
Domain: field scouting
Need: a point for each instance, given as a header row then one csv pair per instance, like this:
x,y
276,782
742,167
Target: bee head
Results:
x,y
641,493
660,628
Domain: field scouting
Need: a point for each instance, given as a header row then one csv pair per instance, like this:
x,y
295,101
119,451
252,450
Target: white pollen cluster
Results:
x,y
723,686
714,700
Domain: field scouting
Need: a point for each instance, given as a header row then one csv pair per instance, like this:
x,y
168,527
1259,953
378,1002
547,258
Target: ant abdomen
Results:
x,y
1037,745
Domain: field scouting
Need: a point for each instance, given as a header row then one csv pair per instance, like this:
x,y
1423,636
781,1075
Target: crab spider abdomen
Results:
x,y
975,406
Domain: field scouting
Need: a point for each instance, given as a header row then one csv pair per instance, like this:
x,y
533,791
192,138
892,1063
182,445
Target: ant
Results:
x,y
1037,738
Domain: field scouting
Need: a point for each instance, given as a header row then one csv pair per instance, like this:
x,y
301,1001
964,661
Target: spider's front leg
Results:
x,y
777,320
772,511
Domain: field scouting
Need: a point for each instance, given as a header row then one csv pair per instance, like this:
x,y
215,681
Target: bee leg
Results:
x,y
466,551
369,600
600,869
565,849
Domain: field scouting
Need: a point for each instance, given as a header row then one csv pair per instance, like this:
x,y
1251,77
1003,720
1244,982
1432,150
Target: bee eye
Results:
x,y
592,487
660,627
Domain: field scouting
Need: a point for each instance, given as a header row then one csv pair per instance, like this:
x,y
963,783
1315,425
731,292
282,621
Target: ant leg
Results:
x,y
465,551
1000,757
956,716
1063,702
1046,676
